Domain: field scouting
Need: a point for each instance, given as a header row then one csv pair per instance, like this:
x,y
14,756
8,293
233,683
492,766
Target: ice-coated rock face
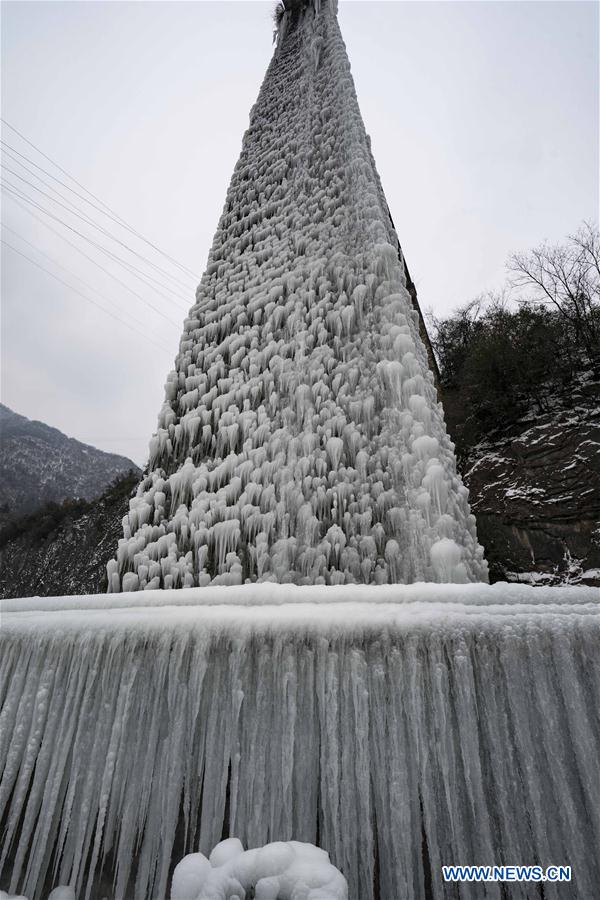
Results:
x,y
301,439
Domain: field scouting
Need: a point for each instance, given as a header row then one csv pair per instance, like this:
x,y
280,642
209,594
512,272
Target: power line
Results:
x,y
96,263
128,266
85,297
89,286
86,256
144,277
49,186
11,152
60,266
75,211
121,220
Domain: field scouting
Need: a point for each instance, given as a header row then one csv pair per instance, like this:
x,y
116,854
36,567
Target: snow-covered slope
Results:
x,y
398,727
301,438
63,550
39,464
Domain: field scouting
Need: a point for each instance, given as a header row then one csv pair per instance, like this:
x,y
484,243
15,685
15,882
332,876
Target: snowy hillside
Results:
x,y
40,464
64,549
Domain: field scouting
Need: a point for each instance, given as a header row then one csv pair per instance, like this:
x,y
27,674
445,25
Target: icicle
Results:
x,y
406,710
301,364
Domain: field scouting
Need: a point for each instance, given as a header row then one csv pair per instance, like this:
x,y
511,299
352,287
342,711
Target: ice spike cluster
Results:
x,y
301,439
398,734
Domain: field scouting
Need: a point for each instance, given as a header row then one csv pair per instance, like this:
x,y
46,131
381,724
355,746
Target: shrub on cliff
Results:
x,y
503,354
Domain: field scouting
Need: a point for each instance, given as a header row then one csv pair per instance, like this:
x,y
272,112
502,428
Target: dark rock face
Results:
x,y
64,549
535,490
40,464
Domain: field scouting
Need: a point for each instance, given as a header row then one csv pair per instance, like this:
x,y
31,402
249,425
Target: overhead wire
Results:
x,y
143,276
12,153
95,262
86,256
73,210
84,296
15,156
122,221
128,266
88,286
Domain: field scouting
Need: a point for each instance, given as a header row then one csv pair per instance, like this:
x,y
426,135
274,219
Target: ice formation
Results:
x,y
301,439
279,871
407,727
62,892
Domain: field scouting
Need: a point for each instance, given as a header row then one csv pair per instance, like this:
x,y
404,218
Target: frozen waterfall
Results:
x,y
399,728
301,439
323,663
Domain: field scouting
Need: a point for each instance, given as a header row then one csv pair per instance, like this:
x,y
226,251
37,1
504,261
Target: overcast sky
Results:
x,y
484,123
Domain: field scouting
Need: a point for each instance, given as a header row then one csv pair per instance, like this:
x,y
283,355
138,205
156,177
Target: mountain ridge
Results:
x,y
40,464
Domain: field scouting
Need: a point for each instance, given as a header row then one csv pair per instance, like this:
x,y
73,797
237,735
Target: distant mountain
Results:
x,y
40,464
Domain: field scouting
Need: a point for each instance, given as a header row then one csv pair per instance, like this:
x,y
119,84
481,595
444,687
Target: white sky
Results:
x,y
484,123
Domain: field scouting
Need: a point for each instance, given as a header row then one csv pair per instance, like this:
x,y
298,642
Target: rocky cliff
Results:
x,y
64,549
535,490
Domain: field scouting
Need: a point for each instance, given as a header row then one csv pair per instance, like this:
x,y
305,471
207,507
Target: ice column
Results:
x,y
301,438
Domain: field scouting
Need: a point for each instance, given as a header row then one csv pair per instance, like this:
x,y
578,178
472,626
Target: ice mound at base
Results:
x,y
400,728
280,871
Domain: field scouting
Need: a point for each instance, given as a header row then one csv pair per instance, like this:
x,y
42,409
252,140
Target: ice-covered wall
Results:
x,y
401,729
301,438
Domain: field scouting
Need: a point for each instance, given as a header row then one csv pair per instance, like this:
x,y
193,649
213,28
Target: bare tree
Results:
x,y
566,277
